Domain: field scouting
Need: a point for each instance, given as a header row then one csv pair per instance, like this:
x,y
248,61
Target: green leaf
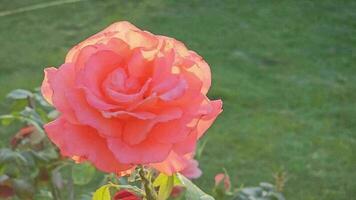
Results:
x,y
53,114
82,173
159,180
200,149
4,179
19,105
177,181
24,188
45,155
8,155
193,192
165,184
19,94
39,98
6,119
32,114
103,193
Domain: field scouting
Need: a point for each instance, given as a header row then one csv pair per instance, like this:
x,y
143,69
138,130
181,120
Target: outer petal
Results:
x,y
60,84
138,38
46,88
116,30
172,164
202,70
172,132
193,63
83,141
188,145
126,115
192,170
137,130
148,151
206,121
91,117
185,164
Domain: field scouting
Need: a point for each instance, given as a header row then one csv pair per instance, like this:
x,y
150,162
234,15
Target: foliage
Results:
x,y
32,168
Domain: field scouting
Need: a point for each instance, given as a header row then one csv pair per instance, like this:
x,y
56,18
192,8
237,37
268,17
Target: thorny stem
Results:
x,y
149,190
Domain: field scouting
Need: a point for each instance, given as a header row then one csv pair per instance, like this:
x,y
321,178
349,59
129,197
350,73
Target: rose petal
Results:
x,y
173,163
142,39
83,141
91,117
206,121
138,66
202,70
99,103
117,30
162,66
60,83
192,170
127,98
46,89
172,132
188,145
175,92
136,130
145,152
127,114
83,55
98,66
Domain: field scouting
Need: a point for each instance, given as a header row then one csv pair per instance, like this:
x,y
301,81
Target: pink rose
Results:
x,y
129,97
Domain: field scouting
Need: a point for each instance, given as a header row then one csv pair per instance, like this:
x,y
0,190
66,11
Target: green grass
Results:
x,y
286,71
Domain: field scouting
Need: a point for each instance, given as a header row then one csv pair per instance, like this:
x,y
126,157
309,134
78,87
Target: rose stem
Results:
x,y
150,193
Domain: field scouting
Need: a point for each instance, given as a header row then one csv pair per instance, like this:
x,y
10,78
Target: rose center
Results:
x,y
119,81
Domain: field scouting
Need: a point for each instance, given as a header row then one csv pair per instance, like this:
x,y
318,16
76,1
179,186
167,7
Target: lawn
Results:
x,y
286,71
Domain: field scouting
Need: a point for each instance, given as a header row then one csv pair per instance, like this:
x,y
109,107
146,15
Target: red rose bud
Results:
x,y
224,180
6,191
177,191
21,134
125,195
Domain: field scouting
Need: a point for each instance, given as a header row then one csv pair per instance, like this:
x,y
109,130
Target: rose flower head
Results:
x,y
129,97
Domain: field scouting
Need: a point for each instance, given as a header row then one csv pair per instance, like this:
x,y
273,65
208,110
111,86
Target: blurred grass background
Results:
x,y
286,71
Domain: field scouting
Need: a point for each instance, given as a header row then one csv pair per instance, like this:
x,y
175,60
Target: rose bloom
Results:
x,y
129,97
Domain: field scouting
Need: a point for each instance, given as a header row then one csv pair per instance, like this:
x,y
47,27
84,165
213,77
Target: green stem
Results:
x,y
147,184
